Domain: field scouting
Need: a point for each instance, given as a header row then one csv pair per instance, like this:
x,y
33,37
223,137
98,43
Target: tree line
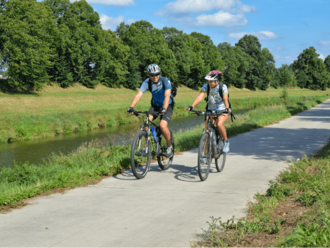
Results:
x,y
63,42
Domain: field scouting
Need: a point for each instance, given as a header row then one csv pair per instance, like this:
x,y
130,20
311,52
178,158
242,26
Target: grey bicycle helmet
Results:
x,y
153,69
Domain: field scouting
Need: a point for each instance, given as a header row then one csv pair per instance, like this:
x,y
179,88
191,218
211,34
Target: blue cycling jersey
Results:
x,y
158,93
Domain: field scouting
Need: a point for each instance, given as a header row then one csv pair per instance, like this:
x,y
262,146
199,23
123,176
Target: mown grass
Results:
x,y
56,110
96,160
303,187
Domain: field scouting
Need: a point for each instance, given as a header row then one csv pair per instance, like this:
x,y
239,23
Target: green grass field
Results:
x,y
55,110
56,100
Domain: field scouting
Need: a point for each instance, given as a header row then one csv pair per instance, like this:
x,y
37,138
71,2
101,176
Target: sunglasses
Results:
x,y
154,75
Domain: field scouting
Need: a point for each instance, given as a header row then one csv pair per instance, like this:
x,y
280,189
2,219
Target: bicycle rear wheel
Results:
x,y
163,162
204,157
221,160
140,155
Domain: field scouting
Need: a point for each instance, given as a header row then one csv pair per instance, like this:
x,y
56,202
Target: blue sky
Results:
x,y
285,27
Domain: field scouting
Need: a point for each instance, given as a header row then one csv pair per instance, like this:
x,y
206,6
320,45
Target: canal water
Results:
x,y
36,151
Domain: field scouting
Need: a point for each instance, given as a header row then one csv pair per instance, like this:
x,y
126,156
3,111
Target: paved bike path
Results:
x,y
166,208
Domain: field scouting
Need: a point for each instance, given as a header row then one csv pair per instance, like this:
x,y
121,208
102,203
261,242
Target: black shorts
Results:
x,y
166,117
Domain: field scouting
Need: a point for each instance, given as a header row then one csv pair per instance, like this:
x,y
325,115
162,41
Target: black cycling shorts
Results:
x,y
166,117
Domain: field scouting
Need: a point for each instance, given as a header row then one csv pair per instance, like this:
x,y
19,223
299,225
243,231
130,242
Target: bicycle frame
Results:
x,y
211,130
146,126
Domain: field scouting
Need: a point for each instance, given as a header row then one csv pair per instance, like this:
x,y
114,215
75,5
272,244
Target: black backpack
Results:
x,y
220,92
173,92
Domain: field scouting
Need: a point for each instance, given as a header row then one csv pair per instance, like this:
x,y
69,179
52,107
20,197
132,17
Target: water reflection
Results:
x,y
35,151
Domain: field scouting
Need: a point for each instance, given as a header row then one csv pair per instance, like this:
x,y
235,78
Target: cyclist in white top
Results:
x,y
215,102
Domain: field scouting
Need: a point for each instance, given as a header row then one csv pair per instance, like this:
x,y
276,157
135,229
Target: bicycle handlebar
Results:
x,y
137,113
209,112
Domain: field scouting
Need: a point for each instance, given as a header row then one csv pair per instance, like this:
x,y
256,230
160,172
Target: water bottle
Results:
x,y
154,133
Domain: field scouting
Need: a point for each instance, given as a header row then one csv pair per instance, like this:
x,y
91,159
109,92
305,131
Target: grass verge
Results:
x,y
294,211
96,160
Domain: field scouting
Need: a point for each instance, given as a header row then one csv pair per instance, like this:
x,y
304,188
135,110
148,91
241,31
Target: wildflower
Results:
x,y
322,171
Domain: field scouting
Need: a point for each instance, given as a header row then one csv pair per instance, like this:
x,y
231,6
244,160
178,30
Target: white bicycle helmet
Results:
x,y
153,69
214,75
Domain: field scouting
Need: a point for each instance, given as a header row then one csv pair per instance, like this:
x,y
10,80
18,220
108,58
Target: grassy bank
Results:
x,y
294,212
55,110
94,161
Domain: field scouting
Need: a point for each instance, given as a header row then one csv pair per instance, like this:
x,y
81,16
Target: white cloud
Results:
x,y
284,59
112,2
221,19
325,45
130,21
262,35
279,48
321,56
197,6
110,22
228,12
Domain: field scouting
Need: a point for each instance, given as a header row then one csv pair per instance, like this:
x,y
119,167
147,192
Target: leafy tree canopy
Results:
x,y
26,32
310,70
147,46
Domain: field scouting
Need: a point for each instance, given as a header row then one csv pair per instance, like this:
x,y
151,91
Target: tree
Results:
x,y
188,55
81,47
267,65
237,63
115,69
26,31
147,46
210,53
310,70
261,65
327,63
327,66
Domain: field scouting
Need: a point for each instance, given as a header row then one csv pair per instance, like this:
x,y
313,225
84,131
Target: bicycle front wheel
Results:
x,y
163,162
140,155
221,160
204,157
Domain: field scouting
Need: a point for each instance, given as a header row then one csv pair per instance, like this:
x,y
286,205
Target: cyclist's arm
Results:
x,y
225,100
198,99
167,98
136,98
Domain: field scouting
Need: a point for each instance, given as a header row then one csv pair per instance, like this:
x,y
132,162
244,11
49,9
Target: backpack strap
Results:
x,y
150,84
163,83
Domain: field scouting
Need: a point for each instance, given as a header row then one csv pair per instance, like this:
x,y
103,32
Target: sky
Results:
x,y
285,27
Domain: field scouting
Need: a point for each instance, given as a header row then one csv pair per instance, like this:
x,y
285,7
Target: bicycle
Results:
x,y
146,145
210,146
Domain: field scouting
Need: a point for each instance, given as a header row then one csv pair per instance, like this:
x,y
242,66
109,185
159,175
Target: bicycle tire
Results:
x,y
163,162
221,160
204,157
140,155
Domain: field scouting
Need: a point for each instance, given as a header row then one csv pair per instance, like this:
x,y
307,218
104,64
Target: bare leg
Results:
x,y
222,130
166,133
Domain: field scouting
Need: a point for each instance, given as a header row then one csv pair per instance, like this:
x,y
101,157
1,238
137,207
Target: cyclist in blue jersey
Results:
x,y
215,102
161,102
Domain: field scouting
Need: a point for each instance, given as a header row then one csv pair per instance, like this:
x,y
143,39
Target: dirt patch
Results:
x,y
286,213
312,170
